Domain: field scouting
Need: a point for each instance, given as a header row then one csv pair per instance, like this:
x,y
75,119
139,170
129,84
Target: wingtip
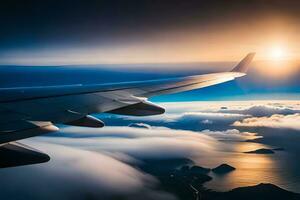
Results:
x,y
252,54
243,65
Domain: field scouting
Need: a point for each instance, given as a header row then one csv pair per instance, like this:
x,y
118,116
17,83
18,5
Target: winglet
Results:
x,y
243,65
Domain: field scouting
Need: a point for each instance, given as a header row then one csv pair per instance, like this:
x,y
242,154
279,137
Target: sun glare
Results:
x,y
277,53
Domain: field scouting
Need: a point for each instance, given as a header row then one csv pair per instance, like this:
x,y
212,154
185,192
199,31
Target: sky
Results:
x,y
138,40
150,31
155,39
55,42
262,81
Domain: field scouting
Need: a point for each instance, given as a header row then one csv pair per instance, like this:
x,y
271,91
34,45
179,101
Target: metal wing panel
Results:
x,y
190,83
21,107
18,94
58,109
16,154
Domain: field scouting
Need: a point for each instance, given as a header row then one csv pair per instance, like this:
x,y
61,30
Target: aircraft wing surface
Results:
x,y
30,111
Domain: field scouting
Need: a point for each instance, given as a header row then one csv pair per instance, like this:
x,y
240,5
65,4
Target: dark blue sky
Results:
x,y
91,32
51,23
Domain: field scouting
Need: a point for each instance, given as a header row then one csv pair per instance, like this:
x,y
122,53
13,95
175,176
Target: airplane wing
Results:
x,y
31,111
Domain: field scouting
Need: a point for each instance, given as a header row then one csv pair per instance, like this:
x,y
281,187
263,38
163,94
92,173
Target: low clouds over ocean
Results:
x,y
92,163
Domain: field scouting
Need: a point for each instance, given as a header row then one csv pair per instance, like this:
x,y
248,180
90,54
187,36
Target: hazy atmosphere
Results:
x,y
74,65
93,32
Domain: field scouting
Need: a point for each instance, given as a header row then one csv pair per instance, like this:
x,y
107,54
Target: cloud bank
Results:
x,y
77,174
101,163
214,116
274,121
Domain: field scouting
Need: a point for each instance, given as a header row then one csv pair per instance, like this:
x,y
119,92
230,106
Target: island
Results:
x,y
223,168
185,180
261,151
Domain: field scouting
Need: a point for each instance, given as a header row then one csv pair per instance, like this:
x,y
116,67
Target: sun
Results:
x,y
277,53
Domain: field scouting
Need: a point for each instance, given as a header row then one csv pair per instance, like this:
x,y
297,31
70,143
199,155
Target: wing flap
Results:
x,y
17,154
39,129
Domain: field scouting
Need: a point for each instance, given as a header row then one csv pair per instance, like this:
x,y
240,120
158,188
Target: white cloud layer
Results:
x,y
216,116
93,163
254,108
77,174
157,142
274,121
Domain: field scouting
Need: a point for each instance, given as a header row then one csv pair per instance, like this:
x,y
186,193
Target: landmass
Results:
x,y
223,168
184,179
261,191
261,151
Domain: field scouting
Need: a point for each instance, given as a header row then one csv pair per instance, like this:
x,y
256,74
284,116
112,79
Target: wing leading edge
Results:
x,y
147,88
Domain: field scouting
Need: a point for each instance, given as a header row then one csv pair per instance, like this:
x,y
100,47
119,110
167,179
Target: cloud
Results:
x,y
204,120
274,121
230,134
265,110
99,163
157,142
193,121
77,174
93,163
140,125
198,116
239,107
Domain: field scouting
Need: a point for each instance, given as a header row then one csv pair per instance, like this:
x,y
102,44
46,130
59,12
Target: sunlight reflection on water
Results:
x,y
251,169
